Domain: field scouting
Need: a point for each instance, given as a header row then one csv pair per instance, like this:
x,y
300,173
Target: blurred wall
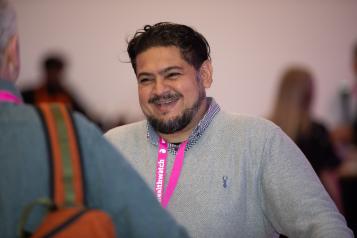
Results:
x,y
251,41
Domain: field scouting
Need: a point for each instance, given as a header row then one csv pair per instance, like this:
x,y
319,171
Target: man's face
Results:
x,y
171,91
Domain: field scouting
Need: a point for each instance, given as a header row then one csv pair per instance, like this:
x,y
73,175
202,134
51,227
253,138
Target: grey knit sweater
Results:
x,y
243,178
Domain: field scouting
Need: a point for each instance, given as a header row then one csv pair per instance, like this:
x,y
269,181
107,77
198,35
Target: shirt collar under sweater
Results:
x,y
213,109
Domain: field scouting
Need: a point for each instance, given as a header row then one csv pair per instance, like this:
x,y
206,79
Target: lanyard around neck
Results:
x,y
161,172
7,96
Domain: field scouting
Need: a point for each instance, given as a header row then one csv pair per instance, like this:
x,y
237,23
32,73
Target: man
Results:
x,y
225,175
345,136
53,87
344,108
353,95
349,180
112,185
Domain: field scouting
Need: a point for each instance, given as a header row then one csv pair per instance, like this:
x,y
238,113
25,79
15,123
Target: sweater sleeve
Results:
x,y
293,199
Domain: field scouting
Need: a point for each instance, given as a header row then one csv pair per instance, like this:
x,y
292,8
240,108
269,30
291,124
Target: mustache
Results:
x,y
165,97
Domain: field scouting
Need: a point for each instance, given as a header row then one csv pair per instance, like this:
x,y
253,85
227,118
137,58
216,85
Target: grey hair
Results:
x,y
8,27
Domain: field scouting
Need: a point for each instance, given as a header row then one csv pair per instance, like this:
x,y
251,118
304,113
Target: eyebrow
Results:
x,y
164,71
161,72
143,74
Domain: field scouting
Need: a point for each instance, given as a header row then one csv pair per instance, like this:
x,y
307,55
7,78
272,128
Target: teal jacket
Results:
x,y
111,183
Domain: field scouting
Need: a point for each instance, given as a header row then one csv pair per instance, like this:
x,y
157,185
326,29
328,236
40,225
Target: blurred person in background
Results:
x,y
53,88
353,95
344,134
110,182
345,124
292,112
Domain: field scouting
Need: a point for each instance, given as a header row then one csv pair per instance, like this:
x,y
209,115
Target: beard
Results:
x,y
181,121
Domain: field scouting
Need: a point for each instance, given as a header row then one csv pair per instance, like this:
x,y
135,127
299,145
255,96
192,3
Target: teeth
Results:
x,y
166,101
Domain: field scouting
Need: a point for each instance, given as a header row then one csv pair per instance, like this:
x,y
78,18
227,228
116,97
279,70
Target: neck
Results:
x,y
5,74
2,73
185,133
178,136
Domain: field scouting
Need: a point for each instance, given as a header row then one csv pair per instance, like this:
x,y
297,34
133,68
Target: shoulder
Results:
x,y
132,130
254,134
91,139
244,123
84,126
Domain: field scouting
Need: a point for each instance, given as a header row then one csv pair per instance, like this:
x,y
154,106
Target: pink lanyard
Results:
x,y
6,96
161,171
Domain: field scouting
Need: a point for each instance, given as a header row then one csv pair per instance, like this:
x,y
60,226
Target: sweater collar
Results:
x,y
213,109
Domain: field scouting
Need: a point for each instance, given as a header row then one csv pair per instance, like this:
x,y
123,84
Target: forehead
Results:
x,y
159,57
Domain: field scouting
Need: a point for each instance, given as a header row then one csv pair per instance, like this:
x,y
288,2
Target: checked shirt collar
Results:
x,y
213,109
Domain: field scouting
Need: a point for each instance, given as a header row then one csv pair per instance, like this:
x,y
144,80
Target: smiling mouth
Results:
x,y
164,102
164,106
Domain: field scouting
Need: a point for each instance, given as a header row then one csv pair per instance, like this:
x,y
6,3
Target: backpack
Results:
x,y
67,217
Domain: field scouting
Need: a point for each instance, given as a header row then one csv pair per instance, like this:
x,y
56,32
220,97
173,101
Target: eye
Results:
x,y
173,75
144,80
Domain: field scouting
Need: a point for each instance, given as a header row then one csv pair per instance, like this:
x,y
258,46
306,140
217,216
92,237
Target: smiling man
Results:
x,y
171,93
219,174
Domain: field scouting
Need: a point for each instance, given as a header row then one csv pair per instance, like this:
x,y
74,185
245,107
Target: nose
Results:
x,y
160,87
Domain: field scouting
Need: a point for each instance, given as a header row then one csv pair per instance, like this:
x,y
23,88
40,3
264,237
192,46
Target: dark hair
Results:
x,y
55,62
193,46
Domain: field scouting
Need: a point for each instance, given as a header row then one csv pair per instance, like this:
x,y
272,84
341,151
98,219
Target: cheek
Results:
x,y
141,92
143,96
191,92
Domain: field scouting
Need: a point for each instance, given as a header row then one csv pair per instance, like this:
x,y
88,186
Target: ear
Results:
x,y
12,58
206,72
12,50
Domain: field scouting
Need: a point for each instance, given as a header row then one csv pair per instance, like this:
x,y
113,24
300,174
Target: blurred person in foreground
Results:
x,y
219,174
111,184
292,112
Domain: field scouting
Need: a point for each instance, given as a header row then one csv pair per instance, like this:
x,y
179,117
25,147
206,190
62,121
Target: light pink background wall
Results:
x,y
251,40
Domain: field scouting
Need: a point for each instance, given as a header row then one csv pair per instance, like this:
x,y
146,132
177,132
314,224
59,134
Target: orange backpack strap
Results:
x,y
68,217
67,188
